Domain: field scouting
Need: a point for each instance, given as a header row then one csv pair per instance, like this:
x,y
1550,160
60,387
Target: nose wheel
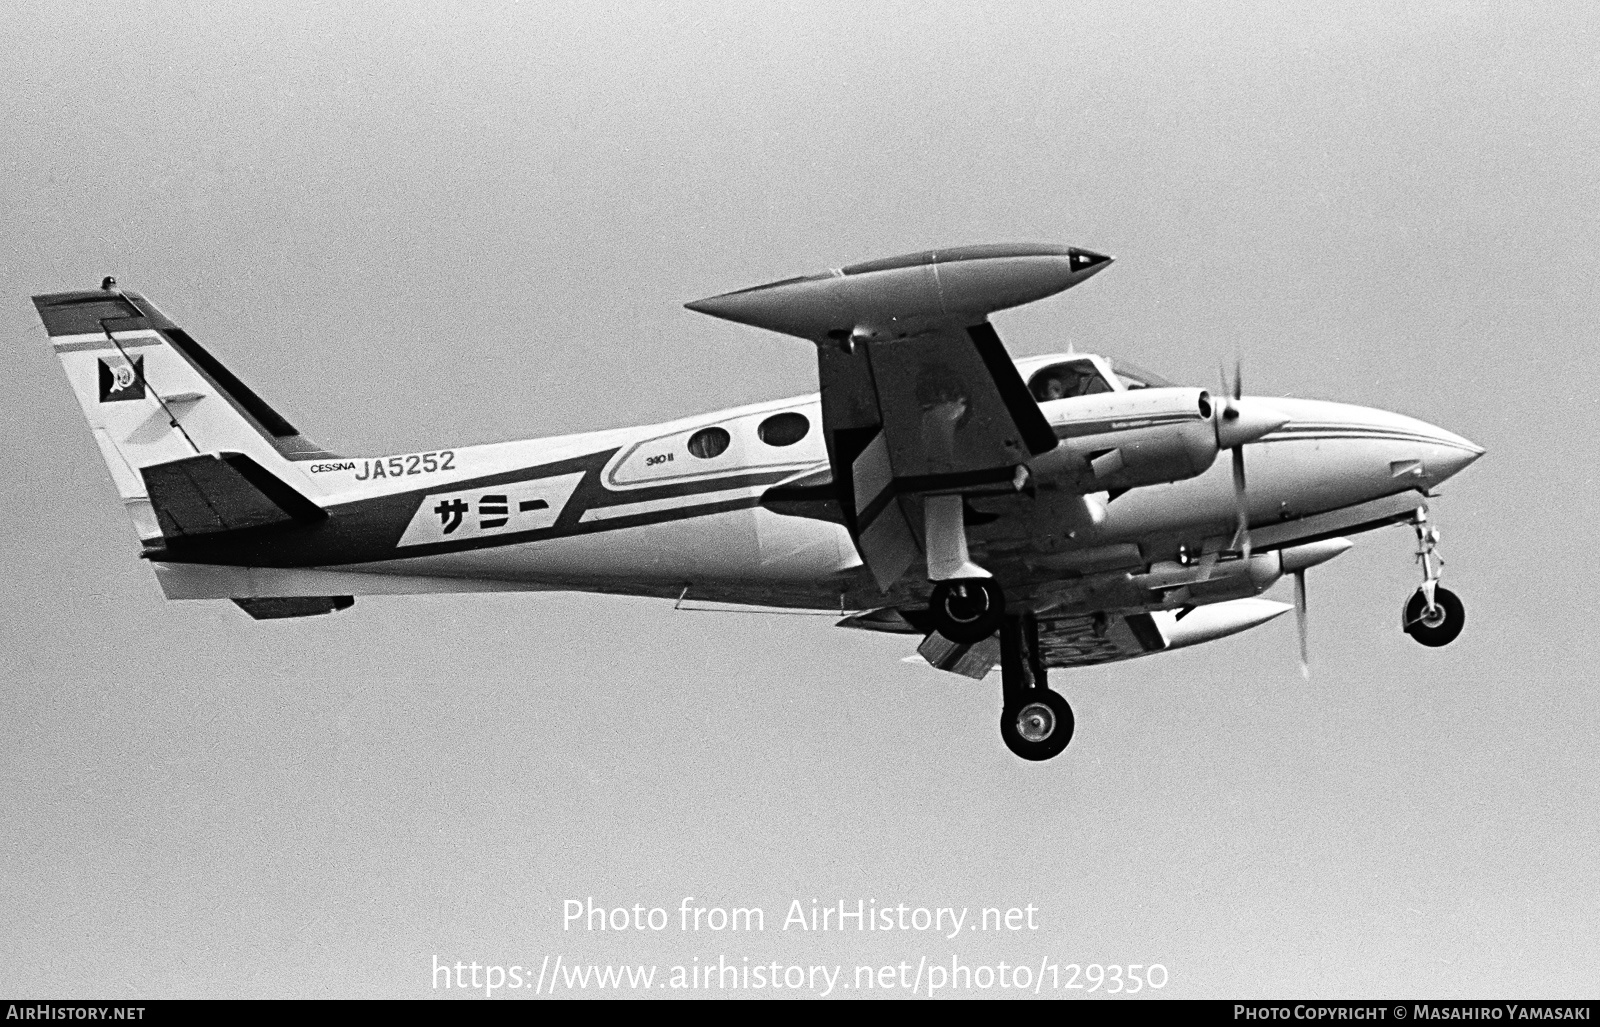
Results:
x,y
1035,722
1438,624
1433,615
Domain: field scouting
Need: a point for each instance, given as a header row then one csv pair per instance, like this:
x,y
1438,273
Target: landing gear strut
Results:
x,y
1433,615
1035,722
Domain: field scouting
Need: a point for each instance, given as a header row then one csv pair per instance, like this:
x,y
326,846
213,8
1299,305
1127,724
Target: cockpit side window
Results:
x,y
1063,381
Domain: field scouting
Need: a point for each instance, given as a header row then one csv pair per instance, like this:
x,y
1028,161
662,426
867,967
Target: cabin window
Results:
x,y
1064,381
784,429
709,442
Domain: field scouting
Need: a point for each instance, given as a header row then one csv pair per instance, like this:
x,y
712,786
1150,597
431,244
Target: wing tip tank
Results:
x,y
963,283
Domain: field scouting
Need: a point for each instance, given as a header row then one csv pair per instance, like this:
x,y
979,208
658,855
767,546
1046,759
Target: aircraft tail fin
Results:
x,y
176,428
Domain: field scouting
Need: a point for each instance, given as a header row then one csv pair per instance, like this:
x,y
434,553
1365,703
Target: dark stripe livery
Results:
x,y
369,530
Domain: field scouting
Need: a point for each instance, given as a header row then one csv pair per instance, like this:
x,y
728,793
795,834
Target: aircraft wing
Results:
x,y
919,396
1082,640
943,411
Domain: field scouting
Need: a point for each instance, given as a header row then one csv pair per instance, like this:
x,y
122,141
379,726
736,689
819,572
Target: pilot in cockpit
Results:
x,y
1063,381
1051,387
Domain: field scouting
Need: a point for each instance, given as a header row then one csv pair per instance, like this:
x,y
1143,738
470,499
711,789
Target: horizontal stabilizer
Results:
x,y
294,606
811,495
211,494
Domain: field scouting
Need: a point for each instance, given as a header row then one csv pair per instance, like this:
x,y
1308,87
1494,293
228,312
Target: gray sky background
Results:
x,y
410,226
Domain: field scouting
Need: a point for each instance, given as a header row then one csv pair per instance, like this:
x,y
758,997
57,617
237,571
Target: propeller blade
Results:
x,y
1300,622
1238,377
1241,504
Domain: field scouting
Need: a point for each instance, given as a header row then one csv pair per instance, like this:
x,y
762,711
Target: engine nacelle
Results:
x,y
1122,440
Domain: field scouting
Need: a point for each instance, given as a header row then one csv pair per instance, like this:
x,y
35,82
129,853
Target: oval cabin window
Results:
x,y
709,442
784,429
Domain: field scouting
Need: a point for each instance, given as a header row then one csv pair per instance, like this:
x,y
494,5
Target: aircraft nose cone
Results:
x,y
1452,454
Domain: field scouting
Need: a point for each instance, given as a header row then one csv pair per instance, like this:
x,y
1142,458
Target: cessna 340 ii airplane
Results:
x,y
1055,511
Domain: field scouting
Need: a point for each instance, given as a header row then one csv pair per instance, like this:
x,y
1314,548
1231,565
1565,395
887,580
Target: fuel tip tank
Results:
x,y
1219,620
898,296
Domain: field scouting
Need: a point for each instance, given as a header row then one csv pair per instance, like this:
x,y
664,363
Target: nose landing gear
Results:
x,y
1035,722
1433,615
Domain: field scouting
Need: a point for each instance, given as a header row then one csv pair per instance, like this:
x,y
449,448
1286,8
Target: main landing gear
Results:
x,y
1433,615
967,607
967,610
1035,722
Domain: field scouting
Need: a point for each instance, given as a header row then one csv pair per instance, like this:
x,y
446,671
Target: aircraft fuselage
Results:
x,y
640,511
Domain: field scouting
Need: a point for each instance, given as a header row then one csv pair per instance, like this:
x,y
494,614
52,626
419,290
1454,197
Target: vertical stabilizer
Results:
x,y
153,396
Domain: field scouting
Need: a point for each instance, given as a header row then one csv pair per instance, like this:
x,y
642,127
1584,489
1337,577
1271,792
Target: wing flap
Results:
x,y
1082,641
950,413
944,411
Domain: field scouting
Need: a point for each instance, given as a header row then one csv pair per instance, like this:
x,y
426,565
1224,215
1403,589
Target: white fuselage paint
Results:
x,y
1328,457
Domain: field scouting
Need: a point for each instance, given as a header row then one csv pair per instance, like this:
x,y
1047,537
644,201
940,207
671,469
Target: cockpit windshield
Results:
x,y
1067,379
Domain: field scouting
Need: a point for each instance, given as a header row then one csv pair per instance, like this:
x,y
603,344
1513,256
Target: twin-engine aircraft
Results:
x,y
1055,511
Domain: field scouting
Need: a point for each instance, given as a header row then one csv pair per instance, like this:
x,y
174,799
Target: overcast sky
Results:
x,y
408,226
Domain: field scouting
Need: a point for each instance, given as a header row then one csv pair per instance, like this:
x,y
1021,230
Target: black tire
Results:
x,y
1441,628
968,610
1037,708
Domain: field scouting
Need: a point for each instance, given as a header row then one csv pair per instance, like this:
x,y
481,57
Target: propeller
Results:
x,y
1300,621
1296,560
1230,412
1229,430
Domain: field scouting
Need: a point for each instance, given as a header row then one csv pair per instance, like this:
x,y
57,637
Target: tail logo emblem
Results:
x,y
121,380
